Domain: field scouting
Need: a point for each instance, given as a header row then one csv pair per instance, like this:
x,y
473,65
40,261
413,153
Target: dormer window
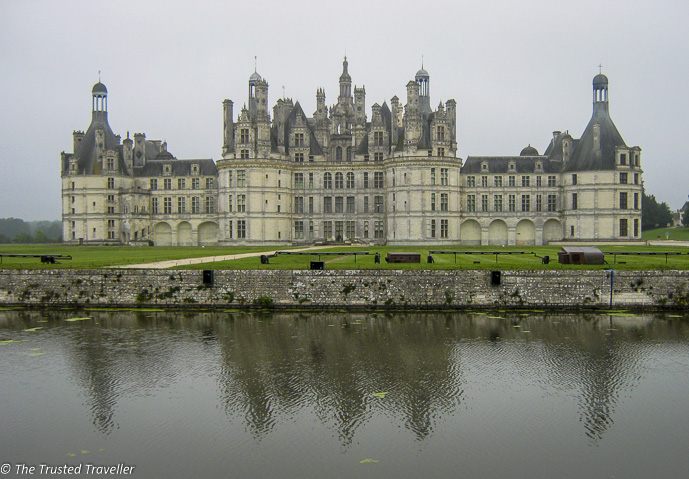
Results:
x,y
484,166
167,169
195,169
539,165
623,159
511,166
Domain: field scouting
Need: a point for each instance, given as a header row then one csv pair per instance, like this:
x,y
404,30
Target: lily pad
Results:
x,y
35,349
379,395
368,460
76,319
37,354
71,454
8,341
34,329
84,451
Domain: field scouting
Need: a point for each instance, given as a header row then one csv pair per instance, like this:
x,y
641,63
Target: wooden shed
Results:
x,y
580,255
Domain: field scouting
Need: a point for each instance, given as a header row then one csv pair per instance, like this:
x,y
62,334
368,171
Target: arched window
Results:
x,y
339,180
327,180
350,180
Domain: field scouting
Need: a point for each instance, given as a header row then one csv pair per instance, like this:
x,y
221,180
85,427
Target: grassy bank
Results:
x,y
107,257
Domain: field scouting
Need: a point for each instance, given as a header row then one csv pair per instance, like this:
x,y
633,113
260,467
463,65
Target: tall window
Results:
x,y
623,227
471,203
195,204
154,206
339,180
365,179
299,180
526,202
432,201
575,201
210,204
327,204
229,204
299,141
350,232
443,201
484,203
244,135
241,203
497,202
432,228
338,153
512,180
327,180
111,183
365,204
623,200
432,176
209,183
195,183
484,181
552,202
512,202
379,232
350,180
539,203
298,204
440,133
552,180
310,181
350,204
497,181
526,180
241,229
181,204
181,183
539,181
167,205
378,138
298,230
328,229
443,176
471,181
378,204
623,178
444,229
378,179
339,204
167,184
154,184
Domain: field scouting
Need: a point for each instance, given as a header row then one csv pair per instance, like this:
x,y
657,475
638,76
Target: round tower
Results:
x,y
99,101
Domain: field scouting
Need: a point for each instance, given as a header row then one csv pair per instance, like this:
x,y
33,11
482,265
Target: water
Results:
x,y
313,395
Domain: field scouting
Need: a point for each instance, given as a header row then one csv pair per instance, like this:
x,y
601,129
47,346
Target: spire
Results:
x,y
345,82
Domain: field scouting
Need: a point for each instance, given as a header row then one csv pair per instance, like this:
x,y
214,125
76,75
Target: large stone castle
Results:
x,y
340,176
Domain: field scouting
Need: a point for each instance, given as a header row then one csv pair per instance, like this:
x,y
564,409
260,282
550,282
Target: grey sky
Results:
x,y
518,71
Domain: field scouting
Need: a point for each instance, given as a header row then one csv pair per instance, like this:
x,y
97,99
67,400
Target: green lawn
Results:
x,y
676,234
85,257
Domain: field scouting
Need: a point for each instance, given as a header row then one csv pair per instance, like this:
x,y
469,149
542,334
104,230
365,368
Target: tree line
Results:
x,y
16,230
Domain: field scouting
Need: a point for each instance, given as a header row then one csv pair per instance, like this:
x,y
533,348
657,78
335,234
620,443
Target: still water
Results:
x,y
340,395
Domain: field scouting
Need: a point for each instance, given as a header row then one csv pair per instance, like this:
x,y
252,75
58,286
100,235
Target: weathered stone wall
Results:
x,y
356,289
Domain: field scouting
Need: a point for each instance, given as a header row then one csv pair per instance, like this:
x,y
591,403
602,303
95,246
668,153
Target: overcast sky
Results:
x,y
518,71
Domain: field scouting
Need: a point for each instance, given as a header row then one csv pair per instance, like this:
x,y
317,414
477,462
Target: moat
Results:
x,y
341,394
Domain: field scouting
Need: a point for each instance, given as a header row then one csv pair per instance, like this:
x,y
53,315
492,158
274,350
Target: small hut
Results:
x,y
580,255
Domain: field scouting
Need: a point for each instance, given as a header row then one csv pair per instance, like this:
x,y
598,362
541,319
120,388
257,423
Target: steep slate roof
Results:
x,y
86,151
584,156
500,164
179,167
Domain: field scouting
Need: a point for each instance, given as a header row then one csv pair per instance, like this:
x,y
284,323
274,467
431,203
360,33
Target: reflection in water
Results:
x,y
351,370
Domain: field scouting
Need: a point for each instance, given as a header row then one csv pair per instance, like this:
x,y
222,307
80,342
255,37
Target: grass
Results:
x,y
88,257
676,234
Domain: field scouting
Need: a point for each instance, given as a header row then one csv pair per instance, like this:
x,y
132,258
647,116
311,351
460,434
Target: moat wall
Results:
x,y
348,289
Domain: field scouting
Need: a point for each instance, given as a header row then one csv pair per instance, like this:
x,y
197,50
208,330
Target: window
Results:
x,y
181,204
526,202
623,227
379,233
575,201
167,205
623,161
552,180
110,164
181,184
441,151
432,176
350,180
432,228
443,201
574,179
636,201
349,153
167,184
623,178
111,224
229,204
378,204
209,183
512,202
327,204
111,183
484,181
512,180
526,180
339,230
365,229
299,141
444,229
241,203
539,203
484,202
365,204
338,153
552,202
210,204
378,138
299,180
111,199
636,227
299,205
432,201
310,181
241,177
244,135
471,203
327,181
350,204
497,202
299,158
241,229
339,204
378,156
195,183
440,133
229,227
298,230
623,200
636,179
443,176
350,232
244,154
378,179
365,179
111,210
497,181
328,229
310,229
196,204
339,181
539,181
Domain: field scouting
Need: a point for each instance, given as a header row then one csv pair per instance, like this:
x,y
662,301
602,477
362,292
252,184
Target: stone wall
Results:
x,y
355,289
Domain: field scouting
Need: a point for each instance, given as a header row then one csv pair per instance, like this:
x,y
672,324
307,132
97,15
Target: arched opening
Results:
x,y
470,232
162,234
552,231
526,232
184,236
208,233
497,233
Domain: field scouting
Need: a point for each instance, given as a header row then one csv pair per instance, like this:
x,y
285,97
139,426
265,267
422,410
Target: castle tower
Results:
x,y
424,79
99,102
345,83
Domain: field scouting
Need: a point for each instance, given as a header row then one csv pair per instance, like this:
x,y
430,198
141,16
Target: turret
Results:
x,y
128,152
345,83
424,81
77,136
99,103
228,127
139,149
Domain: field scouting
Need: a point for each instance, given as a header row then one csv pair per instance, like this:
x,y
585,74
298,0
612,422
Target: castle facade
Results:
x,y
339,176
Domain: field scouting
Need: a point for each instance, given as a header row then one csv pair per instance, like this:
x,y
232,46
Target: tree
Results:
x,y
654,214
23,238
